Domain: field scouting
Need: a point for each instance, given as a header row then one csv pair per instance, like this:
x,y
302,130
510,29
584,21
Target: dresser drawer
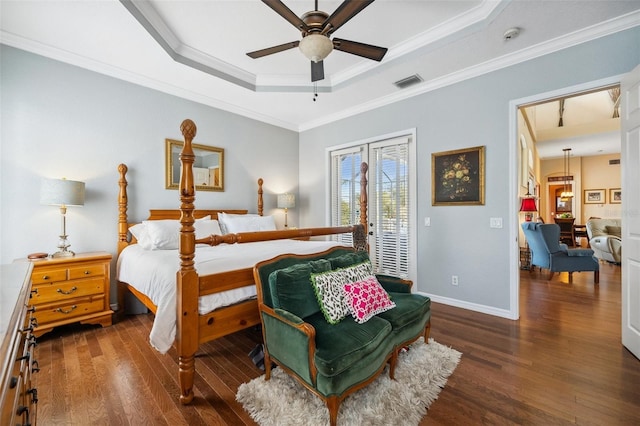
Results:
x,y
69,310
41,276
66,290
86,271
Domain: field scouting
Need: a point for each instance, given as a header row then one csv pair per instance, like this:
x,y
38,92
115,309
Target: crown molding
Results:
x,y
594,32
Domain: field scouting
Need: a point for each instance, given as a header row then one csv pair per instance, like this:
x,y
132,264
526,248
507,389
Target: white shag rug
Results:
x,y
421,373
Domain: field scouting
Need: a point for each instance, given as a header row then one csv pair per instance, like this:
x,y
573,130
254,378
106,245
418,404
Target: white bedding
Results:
x,y
153,273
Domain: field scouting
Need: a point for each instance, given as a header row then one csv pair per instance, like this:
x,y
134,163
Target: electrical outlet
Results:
x,y
454,280
427,221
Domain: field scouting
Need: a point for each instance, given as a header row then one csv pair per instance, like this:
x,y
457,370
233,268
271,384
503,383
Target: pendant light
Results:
x,y
566,194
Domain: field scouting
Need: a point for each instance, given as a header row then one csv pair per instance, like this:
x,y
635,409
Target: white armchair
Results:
x,y
605,239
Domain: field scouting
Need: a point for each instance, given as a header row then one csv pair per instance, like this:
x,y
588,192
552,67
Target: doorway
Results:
x,y
546,188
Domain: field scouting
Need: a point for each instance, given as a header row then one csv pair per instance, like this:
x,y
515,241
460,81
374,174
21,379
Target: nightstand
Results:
x,y
71,289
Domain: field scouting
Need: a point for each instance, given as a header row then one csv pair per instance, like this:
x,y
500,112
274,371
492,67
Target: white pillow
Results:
x,y
165,234
204,228
246,223
224,217
139,231
161,234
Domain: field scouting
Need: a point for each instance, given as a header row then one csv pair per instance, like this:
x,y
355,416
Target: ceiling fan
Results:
x,y
316,26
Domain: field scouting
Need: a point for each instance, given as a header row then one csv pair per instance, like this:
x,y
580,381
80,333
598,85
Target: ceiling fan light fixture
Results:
x,y
316,47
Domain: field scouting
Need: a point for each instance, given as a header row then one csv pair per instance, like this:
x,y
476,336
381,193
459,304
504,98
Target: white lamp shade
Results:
x,y
61,192
316,47
286,201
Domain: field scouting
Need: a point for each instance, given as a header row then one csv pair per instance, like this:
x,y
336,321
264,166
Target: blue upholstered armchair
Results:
x,y
548,253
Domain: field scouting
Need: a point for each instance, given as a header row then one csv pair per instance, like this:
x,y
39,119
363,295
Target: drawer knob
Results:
x,y
45,277
62,311
61,291
87,272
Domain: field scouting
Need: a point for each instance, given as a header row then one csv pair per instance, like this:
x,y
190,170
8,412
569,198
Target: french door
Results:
x,y
391,197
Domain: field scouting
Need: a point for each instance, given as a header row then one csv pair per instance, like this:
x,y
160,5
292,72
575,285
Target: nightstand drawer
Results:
x,y
66,290
71,289
86,271
69,310
41,276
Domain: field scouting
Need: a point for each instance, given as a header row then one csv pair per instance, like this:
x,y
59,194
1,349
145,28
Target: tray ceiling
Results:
x,y
197,49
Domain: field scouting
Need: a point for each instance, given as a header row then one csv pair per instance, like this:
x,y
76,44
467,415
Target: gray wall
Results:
x,y
59,120
470,113
62,121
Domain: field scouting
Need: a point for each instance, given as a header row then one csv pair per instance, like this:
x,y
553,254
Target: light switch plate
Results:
x,y
427,221
495,222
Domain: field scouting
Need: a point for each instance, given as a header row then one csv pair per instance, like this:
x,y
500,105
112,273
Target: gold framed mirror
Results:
x,y
208,167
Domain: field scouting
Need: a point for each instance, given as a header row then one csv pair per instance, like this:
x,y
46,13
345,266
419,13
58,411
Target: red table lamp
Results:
x,y
528,206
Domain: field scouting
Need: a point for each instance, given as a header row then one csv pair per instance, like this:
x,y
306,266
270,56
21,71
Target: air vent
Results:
x,y
616,161
409,81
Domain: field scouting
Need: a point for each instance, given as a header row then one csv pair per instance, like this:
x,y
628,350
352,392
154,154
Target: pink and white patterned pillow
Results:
x,y
366,298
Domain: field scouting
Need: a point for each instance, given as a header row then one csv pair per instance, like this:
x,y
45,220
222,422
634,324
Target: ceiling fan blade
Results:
x,y
317,71
347,10
273,49
282,10
361,49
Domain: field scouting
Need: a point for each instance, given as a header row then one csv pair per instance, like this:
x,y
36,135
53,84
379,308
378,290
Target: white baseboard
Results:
x,y
490,310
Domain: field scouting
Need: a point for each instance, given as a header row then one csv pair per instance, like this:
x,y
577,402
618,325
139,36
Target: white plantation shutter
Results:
x,y
390,200
389,206
345,189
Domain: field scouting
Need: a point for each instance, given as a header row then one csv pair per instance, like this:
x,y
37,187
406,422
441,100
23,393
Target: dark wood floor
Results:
x,y
561,363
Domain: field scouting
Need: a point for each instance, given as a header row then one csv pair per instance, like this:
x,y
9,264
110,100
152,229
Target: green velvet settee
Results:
x,y
330,353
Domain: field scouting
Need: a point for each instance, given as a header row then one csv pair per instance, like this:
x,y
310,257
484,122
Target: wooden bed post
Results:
x,y
187,276
360,232
260,201
123,227
364,167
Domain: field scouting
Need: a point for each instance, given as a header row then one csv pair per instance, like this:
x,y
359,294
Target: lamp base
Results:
x,y
528,217
63,253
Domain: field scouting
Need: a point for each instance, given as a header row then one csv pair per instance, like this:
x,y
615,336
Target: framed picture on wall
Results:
x,y
595,196
615,195
457,177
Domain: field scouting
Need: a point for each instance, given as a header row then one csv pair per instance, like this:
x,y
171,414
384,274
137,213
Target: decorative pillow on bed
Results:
x,y
291,288
330,294
366,298
161,234
204,228
246,223
224,217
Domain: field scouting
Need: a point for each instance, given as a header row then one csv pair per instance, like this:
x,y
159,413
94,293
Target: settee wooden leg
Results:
x,y
550,275
267,365
427,332
596,277
570,277
333,403
393,362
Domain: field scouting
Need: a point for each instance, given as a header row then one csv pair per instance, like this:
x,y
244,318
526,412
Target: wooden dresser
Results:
x,y
72,289
18,397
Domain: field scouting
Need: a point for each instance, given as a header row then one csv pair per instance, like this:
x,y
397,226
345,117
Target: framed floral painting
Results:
x,y
458,177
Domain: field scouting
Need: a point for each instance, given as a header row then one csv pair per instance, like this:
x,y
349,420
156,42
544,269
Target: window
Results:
x,y
390,196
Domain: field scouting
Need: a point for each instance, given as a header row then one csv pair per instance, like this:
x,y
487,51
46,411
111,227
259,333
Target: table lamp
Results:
x,y
286,201
63,193
528,206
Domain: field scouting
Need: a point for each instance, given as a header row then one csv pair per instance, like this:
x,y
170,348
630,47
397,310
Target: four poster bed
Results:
x,y
184,314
